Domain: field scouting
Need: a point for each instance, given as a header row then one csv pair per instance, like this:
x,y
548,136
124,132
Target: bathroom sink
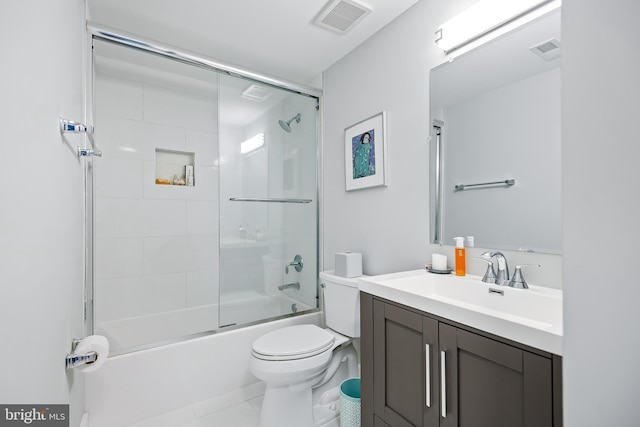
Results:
x,y
530,316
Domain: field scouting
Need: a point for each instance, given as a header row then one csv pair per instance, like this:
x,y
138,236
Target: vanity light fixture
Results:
x,y
489,16
252,144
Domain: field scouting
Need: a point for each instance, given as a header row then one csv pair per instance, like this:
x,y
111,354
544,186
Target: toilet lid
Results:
x,y
293,342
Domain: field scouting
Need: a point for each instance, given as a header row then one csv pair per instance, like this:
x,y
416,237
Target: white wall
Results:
x,y
601,62
390,225
41,214
600,91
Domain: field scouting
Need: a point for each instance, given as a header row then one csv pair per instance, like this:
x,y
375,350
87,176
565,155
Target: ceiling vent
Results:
x,y
548,50
256,93
341,16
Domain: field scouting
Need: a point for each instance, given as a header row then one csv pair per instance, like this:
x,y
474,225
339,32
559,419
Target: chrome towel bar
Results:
x,y
269,200
506,182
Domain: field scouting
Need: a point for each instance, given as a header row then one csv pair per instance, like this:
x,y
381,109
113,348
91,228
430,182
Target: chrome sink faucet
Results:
x,y
502,276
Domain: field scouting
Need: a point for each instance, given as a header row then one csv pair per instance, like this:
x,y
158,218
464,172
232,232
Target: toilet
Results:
x,y
303,365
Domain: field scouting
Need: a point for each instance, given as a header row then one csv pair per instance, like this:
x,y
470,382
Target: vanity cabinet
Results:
x,y
421,370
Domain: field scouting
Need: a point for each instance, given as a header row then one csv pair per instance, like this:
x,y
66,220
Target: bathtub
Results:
x,y
134,387
236,308
250,306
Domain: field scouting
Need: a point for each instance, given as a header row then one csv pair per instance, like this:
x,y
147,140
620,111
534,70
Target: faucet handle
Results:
x,y
297,263
517,281
490,274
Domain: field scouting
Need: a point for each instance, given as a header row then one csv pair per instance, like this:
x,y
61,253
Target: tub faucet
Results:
x,y
289,286
502,276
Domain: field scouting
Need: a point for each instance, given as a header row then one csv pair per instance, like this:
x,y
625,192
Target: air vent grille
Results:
x,y
548,50
256,93
341,16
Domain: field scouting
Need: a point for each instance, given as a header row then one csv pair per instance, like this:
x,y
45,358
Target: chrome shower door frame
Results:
x,y
121,38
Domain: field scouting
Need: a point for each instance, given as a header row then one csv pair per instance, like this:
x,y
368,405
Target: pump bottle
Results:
x,y
461,257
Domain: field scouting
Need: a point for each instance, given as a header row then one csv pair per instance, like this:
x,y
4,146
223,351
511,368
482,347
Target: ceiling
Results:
x,y
272,37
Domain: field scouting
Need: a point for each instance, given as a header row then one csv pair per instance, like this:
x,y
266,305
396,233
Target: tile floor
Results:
x,y
244,414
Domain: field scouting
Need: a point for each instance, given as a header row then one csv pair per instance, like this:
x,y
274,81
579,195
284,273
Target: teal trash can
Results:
x,y
350,402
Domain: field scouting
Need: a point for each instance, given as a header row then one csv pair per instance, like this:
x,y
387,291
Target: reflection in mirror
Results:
x,y
498,113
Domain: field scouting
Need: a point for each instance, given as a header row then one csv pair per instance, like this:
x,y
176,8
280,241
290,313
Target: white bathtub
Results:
x,y
250,306
134,387
236,308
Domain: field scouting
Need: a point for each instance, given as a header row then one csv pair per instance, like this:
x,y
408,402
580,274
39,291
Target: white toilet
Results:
x,y
303,365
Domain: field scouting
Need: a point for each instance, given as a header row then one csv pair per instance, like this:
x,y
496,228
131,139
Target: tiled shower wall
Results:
x,y
156,246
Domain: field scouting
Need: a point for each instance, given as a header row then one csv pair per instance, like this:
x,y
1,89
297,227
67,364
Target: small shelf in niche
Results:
x,y
175,167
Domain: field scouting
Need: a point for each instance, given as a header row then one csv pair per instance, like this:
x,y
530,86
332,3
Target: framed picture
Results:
x,y
365,152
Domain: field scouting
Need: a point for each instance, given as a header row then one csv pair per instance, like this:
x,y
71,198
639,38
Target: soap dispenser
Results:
x,y
461,257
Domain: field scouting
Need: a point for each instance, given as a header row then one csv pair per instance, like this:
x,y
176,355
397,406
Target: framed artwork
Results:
x,y
365,152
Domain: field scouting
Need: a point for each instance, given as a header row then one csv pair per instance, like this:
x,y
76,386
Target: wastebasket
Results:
x,y
350,402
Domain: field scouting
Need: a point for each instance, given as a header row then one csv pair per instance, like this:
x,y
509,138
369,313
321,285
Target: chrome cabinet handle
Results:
x,y
443,382
427,369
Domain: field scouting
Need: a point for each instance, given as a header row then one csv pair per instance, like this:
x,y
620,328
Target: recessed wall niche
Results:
x,y
175,167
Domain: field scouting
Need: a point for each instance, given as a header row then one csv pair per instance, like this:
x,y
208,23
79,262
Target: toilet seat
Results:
x,y
293,343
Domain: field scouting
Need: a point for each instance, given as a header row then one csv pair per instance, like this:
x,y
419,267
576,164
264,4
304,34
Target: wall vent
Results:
x,y
341,16
256,93
548,50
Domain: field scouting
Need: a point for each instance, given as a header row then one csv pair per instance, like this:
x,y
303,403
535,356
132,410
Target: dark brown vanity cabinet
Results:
x,y
419,370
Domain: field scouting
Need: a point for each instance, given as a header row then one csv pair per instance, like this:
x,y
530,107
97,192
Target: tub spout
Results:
x,y
289,286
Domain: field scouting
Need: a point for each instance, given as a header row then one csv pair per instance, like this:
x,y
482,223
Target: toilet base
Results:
x,y
283,407
296,406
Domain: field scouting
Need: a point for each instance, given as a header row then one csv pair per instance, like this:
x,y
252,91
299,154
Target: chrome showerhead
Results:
x,y
287,125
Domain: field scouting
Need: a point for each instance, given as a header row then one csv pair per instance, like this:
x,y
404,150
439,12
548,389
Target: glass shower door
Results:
x,y
155,233
204,210
268,202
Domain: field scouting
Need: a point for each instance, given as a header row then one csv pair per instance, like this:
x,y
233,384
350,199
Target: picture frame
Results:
x,y
365,153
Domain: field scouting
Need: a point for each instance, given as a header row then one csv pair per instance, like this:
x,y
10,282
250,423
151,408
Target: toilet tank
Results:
x,y
341,303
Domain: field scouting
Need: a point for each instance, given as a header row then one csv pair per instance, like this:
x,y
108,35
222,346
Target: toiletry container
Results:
x,y
461,257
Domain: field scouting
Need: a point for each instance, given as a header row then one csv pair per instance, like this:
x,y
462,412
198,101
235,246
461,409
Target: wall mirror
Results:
x,y
495,112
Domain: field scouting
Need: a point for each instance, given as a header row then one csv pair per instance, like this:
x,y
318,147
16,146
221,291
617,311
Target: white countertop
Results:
x,y
529,316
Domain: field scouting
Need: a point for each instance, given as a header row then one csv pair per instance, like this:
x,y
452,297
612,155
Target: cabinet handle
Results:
x,y
427,370
443,382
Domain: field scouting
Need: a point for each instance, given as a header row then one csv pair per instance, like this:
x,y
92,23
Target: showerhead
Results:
x,y
287,125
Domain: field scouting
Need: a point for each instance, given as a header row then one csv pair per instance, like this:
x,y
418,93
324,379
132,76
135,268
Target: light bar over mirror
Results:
x,y
489,16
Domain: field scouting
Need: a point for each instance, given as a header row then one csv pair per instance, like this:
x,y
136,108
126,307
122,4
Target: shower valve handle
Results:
x,y
297,264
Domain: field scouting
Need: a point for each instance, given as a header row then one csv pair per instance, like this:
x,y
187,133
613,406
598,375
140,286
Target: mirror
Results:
x,y
496,117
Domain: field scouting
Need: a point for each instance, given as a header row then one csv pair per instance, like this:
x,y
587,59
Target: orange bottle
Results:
x,y
461,257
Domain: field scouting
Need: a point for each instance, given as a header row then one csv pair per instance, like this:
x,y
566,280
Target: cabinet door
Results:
x,y
486,383
405,367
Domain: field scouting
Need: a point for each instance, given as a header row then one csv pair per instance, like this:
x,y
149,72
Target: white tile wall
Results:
x,y
120,178
175,108
202,142
120,98
119,257
164,255
163,217
199,214
156,245
202,288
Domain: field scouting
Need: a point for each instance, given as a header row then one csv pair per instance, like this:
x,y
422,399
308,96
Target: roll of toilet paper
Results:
x,y
96,343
